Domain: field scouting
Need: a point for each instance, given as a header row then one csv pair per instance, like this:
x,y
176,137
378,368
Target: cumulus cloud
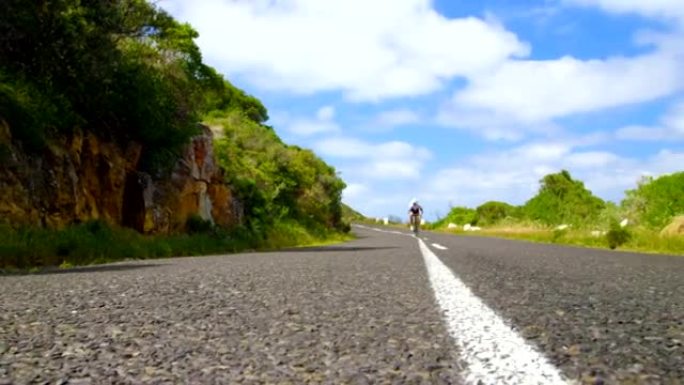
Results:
x,y
671,127
523,97
398,117
326,113
538,91
513,175
664,9
322,123
369,50
356,148
354,191
394,160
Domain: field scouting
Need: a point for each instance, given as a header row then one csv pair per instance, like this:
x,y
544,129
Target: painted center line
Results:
x,y
492,352
438,246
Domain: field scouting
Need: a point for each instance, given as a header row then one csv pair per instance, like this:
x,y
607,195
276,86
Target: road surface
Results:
x,y
386,308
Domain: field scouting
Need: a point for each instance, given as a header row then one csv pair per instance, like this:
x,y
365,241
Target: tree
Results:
x,y
491,212
125,70
562,199
458,216
275,181
656,201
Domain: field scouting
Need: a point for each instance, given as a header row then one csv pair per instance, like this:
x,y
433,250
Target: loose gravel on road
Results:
x,y
601,316
359,313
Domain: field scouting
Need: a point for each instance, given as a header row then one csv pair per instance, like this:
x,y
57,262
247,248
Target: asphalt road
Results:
x,y
365,312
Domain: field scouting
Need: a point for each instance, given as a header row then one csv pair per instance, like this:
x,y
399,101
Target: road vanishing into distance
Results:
x,y
386,308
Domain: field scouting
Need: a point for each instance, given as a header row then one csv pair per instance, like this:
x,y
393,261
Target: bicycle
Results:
x,y
415,224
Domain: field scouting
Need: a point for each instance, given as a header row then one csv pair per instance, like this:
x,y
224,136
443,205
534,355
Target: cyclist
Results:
x,y
415,212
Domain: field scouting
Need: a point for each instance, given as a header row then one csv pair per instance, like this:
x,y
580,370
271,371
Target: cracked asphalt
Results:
x,y
358,313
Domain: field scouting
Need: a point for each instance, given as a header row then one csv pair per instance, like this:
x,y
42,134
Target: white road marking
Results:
x,y
384,231
438,246
492,351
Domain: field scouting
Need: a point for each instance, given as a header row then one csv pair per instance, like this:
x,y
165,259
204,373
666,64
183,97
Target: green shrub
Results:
x,y
344,227
562,199
197,225
656,201
457,215
617,235
558,234
492,212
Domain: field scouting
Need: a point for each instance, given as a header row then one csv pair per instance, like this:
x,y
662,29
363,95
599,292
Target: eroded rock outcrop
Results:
x,y
83,177
196,187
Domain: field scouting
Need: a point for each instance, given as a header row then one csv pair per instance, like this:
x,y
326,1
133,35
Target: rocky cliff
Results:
x,y
82,177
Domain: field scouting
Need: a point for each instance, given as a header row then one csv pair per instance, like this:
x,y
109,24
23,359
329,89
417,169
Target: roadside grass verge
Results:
x,y
640,239
30,248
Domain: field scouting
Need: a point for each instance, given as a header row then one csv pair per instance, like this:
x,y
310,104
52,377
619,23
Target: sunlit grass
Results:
x,y
28,248
642,240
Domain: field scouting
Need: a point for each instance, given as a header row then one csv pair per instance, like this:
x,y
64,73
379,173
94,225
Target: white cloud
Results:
x,y
398,117
355,148
354,191
523,97
665,9
675,118
671,127
529,91
323,123
589,160
305,127
638,132
489,124
392,160
513,176
326,113
369,50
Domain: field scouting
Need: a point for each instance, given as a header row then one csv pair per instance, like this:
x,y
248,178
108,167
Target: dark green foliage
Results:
x,y
224,97
127,71
32,112
558,234
276,182
96,242
197,225
563,200
617,235
344,227
351,215
5,153
492,212
123,69
656,201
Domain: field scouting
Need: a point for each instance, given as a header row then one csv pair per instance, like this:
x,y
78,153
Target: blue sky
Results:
x,y
457,102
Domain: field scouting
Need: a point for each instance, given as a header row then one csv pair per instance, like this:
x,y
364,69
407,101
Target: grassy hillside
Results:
x,y
350,215
276,182
128,72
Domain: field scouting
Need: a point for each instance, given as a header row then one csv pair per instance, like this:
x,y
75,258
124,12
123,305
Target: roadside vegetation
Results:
x,y
565,212
30,248
127,71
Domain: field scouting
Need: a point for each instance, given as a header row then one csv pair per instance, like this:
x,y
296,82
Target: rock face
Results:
x,y
676,227
83,178
196,187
